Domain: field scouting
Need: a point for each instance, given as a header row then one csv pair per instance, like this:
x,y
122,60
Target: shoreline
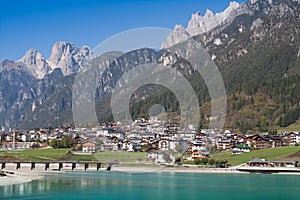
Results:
x,y
19,178
22,175
137,169
25,174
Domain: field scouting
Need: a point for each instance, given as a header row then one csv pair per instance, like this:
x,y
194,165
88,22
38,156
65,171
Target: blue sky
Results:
x,y
39,24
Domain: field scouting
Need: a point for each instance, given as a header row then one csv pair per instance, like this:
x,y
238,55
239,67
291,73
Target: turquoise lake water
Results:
x,y
121,185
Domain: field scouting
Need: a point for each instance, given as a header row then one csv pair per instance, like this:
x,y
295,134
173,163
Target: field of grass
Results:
x,y
45,154
269,154
295,127
62,154
120,156
280,153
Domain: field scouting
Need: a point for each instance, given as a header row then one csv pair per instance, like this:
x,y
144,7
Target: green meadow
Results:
x,y
279,153
44,154
63,154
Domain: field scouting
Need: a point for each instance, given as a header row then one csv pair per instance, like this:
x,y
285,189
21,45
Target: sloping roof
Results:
x,y
257,160
275,137
260,161
88,144
203,152
241,147
225,140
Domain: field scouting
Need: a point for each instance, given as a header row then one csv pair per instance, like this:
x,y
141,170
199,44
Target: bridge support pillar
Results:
x,y
60,166
98,166
73,166
18,165
47,166
32,165
86,166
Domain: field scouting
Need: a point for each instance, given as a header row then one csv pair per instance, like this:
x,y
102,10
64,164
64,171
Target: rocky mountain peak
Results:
x,y
208,14
60,52
200,24
35,63
65,56
178,35
86,51
255,42
68,57
32,57
233,5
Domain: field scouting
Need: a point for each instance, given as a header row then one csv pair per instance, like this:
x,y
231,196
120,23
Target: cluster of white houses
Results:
x,y
150,135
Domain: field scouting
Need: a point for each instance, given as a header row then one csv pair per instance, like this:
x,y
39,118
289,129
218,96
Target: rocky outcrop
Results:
x,y
35,63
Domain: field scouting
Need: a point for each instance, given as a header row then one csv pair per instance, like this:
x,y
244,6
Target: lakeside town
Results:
x,y
162,141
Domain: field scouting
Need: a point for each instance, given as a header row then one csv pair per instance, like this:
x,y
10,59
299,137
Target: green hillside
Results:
x,y
280,153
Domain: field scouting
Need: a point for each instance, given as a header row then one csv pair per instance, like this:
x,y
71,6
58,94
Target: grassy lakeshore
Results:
x,y
130,162
62,154
44,154
279,153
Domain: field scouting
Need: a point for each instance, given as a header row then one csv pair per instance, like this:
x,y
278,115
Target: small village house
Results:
x,y
240,149
199,154
224,144
89,147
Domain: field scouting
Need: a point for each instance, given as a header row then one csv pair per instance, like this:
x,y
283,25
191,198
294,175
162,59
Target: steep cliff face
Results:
x,y
35,63
252,42
16,93
31,102
256,46
202,24
65,56
69,58
253,36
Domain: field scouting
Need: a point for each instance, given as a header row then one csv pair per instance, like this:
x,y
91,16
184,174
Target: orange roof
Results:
x,y
89,144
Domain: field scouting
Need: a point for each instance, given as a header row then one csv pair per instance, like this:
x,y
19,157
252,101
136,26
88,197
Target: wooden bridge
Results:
x,y
73,164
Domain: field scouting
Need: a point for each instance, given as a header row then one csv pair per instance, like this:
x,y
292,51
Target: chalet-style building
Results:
x,y
89,147
225,144
44,135
240,149
164,144
292,138
266,141
127,146
160,156
195,145
200,154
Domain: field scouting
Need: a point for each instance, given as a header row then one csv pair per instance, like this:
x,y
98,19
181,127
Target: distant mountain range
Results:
x,y
256,46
